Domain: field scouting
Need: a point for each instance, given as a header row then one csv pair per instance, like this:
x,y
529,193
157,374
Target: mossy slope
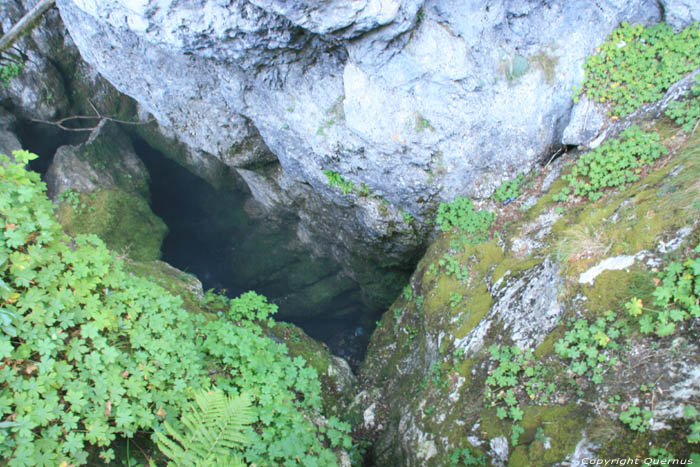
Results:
x,y
435,394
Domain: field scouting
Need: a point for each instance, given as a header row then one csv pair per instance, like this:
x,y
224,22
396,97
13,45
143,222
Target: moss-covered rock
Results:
x,y
124,221
428,365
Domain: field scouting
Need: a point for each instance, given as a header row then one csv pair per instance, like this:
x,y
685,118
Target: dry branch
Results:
x,y
25,22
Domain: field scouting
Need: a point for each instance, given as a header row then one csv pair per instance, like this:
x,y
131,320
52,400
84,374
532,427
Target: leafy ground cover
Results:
x,y
636,65
92,354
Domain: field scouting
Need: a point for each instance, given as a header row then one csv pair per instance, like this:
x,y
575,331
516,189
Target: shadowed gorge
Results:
x,y
212,236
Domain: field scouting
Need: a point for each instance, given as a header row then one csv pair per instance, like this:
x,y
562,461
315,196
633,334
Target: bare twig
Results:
x,y
558,151
102,118
26,21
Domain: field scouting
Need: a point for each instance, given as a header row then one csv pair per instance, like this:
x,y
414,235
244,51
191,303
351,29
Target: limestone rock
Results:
x,y
585,124
8,139
105,160
459,114
680,13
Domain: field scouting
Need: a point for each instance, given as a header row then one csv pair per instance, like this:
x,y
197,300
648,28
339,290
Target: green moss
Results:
x,y
616,440
477,305
547,64
563,425
547,345
513,266
122,220
612,289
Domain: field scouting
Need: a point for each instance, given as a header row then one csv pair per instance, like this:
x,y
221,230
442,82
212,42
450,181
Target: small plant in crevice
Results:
x,y
422,124
461,214
464,457
686,113
636,65
11,65
407,217
437,376
676,298
613,164
335,179
407,292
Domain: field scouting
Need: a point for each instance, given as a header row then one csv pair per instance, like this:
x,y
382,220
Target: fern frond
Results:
x,y
215,431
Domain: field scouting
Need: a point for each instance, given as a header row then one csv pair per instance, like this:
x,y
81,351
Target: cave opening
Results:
x,y
215,234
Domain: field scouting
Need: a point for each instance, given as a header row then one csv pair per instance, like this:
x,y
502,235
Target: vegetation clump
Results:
x,y
636,65
585,345
92,354
461,214
686,113
9,70
613,164
676,299
509,189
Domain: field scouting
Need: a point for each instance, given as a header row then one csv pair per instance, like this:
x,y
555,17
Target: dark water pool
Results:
x,y
213,237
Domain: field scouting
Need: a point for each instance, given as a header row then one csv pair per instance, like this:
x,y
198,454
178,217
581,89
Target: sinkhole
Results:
x,y
218,235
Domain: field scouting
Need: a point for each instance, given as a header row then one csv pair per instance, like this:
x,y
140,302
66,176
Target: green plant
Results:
x,y
455,298
636,65
675,298
422,124
686,113
660,454
215,430
587,344
407,292
397,316
516,373
407,217
99,354
460,214
613,164
691,413
635,418
452,266
412,334
509,189
516,431
72,197
10,67
335,179
464,456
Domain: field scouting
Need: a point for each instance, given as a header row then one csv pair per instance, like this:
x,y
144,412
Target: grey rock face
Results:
x,y
8,139
680,13
526,307
586,122
420,101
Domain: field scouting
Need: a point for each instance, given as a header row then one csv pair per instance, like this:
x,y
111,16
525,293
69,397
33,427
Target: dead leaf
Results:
x,y
31,368
108,408
161,413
